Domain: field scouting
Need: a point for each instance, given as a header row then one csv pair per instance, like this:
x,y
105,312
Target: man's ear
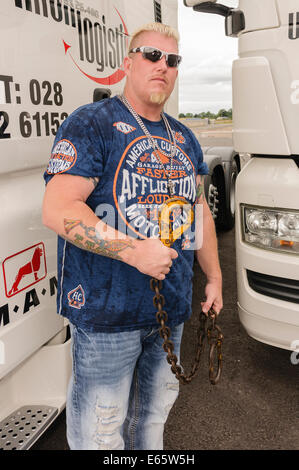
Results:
x,y
127,65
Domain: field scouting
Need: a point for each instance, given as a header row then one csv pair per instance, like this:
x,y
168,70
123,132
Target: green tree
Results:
x,y
222,113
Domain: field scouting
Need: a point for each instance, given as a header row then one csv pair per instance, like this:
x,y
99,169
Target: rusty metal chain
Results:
x,y
212,332
215,339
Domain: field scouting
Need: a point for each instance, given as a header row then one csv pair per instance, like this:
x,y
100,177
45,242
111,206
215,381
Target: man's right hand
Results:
x,y
151,257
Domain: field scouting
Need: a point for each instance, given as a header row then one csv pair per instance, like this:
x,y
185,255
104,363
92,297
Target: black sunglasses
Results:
x,y
153,54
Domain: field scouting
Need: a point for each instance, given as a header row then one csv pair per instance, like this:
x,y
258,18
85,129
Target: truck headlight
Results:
x,y
271,229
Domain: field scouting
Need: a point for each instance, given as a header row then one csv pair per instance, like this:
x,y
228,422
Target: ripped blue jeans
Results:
x,y
121,389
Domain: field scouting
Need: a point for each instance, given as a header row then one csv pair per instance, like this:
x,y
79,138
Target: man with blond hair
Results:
x,y
113,164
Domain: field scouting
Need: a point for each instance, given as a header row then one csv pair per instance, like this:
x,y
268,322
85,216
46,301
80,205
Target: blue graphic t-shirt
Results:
x,y
104,140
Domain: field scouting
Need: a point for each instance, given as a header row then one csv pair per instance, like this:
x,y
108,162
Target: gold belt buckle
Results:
x,y
168,235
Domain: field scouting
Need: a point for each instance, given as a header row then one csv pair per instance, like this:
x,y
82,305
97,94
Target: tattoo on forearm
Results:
x,y
70,224
200,190
89,240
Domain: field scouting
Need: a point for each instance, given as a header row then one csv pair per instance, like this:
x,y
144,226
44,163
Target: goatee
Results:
x,y
158,98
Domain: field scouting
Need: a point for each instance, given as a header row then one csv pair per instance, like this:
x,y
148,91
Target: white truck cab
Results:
x,y
267,120
265,128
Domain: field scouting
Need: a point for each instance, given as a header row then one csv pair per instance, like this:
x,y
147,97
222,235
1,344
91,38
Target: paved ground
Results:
x,y
255,404
217,134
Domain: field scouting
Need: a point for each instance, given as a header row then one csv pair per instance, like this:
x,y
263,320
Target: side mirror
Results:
x,y
234,19
101,93
234,23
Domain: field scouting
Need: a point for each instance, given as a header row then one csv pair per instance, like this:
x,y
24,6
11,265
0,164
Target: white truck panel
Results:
x,y
258,124
259,184
29,319
259,14
272,95
284,9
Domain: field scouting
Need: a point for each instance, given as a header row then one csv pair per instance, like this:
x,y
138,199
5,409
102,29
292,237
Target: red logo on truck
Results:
x,y
23,269
100,44
88,44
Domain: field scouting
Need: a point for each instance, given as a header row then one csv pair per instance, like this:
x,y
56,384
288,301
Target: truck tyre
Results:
x,y
212,196
226,214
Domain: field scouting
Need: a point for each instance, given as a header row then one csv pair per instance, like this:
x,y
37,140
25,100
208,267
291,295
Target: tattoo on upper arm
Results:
x,y
88,239
94,179
200,190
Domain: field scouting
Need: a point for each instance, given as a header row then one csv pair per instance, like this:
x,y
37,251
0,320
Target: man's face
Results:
x,y
151,80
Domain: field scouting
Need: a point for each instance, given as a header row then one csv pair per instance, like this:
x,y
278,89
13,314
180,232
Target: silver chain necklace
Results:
x,y
154,143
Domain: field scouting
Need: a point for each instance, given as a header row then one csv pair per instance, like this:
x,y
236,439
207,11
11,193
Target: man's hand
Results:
x,y
151,257
213,291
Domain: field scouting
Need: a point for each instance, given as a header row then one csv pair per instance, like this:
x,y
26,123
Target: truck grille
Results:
x,y
272,286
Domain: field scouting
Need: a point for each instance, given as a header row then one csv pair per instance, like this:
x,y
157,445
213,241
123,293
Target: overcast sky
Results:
x,y
205,72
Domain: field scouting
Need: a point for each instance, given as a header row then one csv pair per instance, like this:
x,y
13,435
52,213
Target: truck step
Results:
x,y
23,427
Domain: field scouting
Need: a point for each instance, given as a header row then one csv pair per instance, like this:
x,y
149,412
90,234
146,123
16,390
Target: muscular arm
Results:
x,y
65,211
207,256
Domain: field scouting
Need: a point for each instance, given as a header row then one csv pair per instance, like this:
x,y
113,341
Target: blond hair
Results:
x,y
161,28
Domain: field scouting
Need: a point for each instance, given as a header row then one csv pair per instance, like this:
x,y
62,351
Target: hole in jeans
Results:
x,y
107,434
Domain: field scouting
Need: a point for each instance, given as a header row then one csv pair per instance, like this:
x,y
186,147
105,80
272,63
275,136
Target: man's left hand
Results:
x,y
213,291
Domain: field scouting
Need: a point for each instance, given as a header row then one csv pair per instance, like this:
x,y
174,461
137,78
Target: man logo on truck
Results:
x,y
24,269
31,267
